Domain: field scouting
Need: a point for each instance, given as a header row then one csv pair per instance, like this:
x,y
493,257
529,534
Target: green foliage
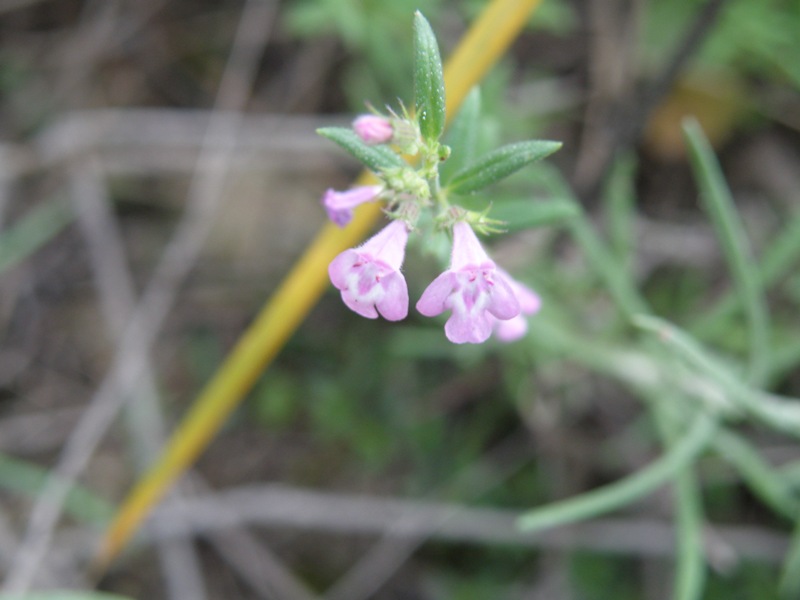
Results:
x,y
277,399
500,164
751,38
599,577
28,479
38,227
376,158
730,231
521,213
747,581
463,135
373,30
428,81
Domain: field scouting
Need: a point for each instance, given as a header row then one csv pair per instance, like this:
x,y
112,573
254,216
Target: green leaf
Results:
x,y
31,232
428,80
731,394
462,135
736,247
376,158
28,479
499,164
625,491
525,214
790,576
620,206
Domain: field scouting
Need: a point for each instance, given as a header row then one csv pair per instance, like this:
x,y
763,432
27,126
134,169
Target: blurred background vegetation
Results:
x,y
111,98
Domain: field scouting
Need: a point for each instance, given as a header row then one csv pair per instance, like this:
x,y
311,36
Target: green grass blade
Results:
x,y
690,570
779,257
599,257
621,493
31,232
767,484
720,206
621,210
790,576
28,479
690,563
613,274
786,358
782,414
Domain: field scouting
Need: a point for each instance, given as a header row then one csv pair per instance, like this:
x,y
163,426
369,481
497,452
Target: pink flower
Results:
x,y
373,129
340,205
369,276
474,289
529,304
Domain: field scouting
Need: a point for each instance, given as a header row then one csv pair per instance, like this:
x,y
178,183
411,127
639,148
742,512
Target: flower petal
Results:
x,y
358,305
394,304
503,303
512,329
341,266
467,250
433,299
388,245
463,328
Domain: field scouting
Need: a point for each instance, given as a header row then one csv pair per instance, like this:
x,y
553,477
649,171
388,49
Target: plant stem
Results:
x,y
627,490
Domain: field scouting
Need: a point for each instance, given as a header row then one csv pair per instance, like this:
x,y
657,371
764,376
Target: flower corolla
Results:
x,y
475,291
369,276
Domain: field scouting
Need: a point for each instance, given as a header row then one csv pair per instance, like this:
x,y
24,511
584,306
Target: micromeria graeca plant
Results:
x,y
482,298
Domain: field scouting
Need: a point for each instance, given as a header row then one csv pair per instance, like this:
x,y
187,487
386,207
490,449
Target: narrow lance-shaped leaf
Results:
x,y
732,236
428,80
32,231
526,214
462,135
375,158
500,164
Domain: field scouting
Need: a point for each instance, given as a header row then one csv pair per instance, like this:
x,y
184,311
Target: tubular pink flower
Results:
x,y
369,276
529,304
474,289
340,205
373,129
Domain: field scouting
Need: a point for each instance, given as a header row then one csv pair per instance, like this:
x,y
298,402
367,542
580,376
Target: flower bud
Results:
x,y
373,129
340,205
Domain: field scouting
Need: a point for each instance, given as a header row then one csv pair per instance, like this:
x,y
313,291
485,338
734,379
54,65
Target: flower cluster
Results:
x,y
480,297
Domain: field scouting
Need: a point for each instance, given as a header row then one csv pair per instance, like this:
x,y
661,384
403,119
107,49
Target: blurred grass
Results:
x,y
34,230
27,479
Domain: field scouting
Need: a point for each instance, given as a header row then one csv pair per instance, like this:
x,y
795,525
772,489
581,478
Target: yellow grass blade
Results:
x,y
481,47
